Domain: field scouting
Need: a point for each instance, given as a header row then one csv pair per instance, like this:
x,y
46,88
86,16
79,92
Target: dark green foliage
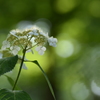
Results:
x,y
7,64
13,95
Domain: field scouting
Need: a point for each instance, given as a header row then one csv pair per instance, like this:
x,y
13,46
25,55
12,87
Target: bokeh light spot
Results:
x,y
64,48
95,89
79,91
73,27
64,6
94,8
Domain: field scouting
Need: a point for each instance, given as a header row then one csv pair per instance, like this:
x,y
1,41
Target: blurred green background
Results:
x,y
73,67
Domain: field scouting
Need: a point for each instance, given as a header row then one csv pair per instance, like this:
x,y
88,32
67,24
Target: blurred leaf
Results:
x,y
11,81
13,95
49,84
7,64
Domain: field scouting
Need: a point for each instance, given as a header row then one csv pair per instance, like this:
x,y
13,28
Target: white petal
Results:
x,y
1,55
13,32
30,50
41,52
52,41
24,66
30,33
33,33
40,49
15,49
34,30
43,48
36,34
5,45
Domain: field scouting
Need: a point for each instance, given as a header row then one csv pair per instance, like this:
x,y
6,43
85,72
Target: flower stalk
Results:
x,y
24,51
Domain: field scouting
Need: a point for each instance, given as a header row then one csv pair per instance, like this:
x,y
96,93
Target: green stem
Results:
x,y
24,51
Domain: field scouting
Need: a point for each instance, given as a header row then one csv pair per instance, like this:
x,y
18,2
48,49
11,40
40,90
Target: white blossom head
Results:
x,y
52,41
19,40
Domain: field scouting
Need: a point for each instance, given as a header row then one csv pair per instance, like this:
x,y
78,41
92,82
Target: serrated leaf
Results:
x,y
49,84
13,95
7,64
11,81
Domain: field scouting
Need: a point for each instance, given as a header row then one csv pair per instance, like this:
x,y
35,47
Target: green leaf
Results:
x,y
7,64
13,95
49,84
11,81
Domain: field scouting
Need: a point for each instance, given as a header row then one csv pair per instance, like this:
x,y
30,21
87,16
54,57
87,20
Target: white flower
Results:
x,y
27,38
24,66
33,33
33,41
13,32
1,55
6,44
15,49
44,34
40,49
52,41
30,33
41,33
30,50
34,30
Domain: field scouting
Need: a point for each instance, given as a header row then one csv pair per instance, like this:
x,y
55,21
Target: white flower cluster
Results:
x,y
19,40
